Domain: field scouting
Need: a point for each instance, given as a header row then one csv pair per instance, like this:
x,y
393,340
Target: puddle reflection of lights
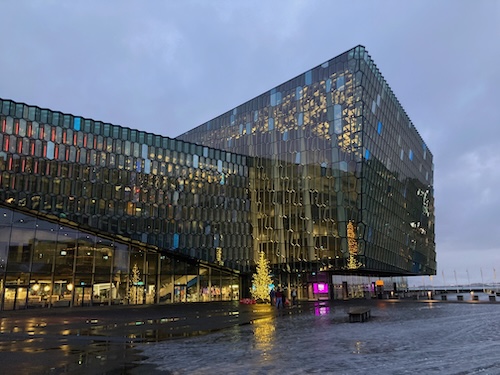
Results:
x,y
167,320
264,331
358,346
321,310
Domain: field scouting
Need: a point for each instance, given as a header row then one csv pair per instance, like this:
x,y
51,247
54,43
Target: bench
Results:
x,y
359,314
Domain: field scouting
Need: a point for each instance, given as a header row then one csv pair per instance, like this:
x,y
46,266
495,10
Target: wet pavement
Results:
x,y
102,340
401,337
228,337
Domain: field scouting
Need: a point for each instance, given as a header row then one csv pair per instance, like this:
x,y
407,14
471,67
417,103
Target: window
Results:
x,y
340,83
271,124
308,77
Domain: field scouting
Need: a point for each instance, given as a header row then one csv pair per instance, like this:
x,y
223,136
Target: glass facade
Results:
x,y
341,180
44,263
156,194
325,173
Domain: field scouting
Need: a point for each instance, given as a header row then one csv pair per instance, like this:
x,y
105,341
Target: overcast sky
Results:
x,y
168,66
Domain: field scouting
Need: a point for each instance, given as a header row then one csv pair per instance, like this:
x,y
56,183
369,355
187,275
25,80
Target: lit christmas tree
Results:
x,y
261,279
352,244
136,290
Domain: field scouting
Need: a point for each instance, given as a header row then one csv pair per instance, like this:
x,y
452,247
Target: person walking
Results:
x,y
294,297
279,299
272,296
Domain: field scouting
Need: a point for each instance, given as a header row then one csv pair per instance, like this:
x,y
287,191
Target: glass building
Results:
x,y
341,181
93,213
325,173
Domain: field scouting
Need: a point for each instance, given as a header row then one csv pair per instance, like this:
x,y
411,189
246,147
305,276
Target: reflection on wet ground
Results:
x,y
107,340
407,337
102,340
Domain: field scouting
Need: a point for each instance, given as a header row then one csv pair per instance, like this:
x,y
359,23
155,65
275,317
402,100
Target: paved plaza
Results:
x,y
401,337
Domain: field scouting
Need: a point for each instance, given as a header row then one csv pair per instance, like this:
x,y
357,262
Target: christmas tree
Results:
x,y
136,290
352,244
261,279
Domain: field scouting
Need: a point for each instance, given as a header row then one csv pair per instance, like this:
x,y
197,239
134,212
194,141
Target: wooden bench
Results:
x,y
359,314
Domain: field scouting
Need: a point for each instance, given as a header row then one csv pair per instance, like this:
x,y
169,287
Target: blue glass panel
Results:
x,y
297,158
196,161
255,116
370,234
271,123
300,119
379,128
176,241
138,165
328,85
337,119
273,97
367,154
308,77
249,128
223,179
340,83
147,166
76,123
50,150
410,155
298,93
285,135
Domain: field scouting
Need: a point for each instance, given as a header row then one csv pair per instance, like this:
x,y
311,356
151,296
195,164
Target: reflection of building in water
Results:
x,y
325,174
